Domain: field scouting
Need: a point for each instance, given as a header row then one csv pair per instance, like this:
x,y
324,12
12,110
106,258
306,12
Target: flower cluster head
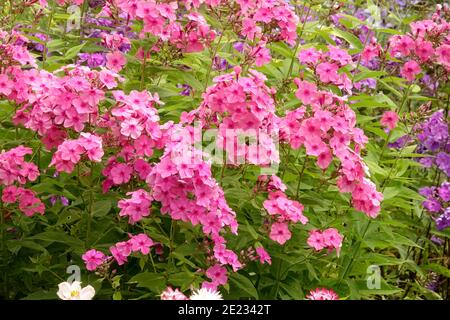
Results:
x,y
53,103
14,168
240,107
283,211
434,142
328,239
427,45
187,31
275,20
137,207
29,204
13,50
322,294
69,152
183,183
326,67
327,129
437,203
137,243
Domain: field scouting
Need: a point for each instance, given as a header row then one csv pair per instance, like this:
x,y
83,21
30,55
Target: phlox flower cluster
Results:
x,y
434,142
327,239
70,152
278,16
437,203
183,183
281,210
325,66
29,204
14,168
51,104
327,129
119,252
13,50
275,19
164,20
137,243
238,107
133,127
427,45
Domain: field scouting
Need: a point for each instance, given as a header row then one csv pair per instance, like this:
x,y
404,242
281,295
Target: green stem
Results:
x,y
297,44
300,177
208,73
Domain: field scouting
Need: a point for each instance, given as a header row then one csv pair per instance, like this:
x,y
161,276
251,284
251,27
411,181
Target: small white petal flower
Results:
x,y
206,294
73,291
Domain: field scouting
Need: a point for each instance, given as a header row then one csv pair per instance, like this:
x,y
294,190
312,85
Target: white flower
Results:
x,y
206,294
73,291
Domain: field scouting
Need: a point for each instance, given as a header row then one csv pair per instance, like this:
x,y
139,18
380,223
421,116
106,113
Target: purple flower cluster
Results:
x,y
434,142
437,203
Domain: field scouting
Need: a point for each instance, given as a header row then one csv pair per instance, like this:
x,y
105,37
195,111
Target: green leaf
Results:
x,y
438,269
156,282
72,52
59,236
244,283
101,208
347,36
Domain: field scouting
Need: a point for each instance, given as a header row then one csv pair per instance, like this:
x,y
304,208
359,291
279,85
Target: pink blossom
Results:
x,y
327,72
115,61
329,239
131,128
424,49
306,91
93,259
6,85
217,274
389,119
170,294
280,233
263,255
322,294
310,55
141,242
410,69
121,173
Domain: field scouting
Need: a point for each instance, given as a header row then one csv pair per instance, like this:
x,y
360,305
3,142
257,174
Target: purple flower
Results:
x,y
93,60
186,89
427,162
443,221
432,205
220,64
444,191
427,192
400,142
238,46
443,162
64,201
437,240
